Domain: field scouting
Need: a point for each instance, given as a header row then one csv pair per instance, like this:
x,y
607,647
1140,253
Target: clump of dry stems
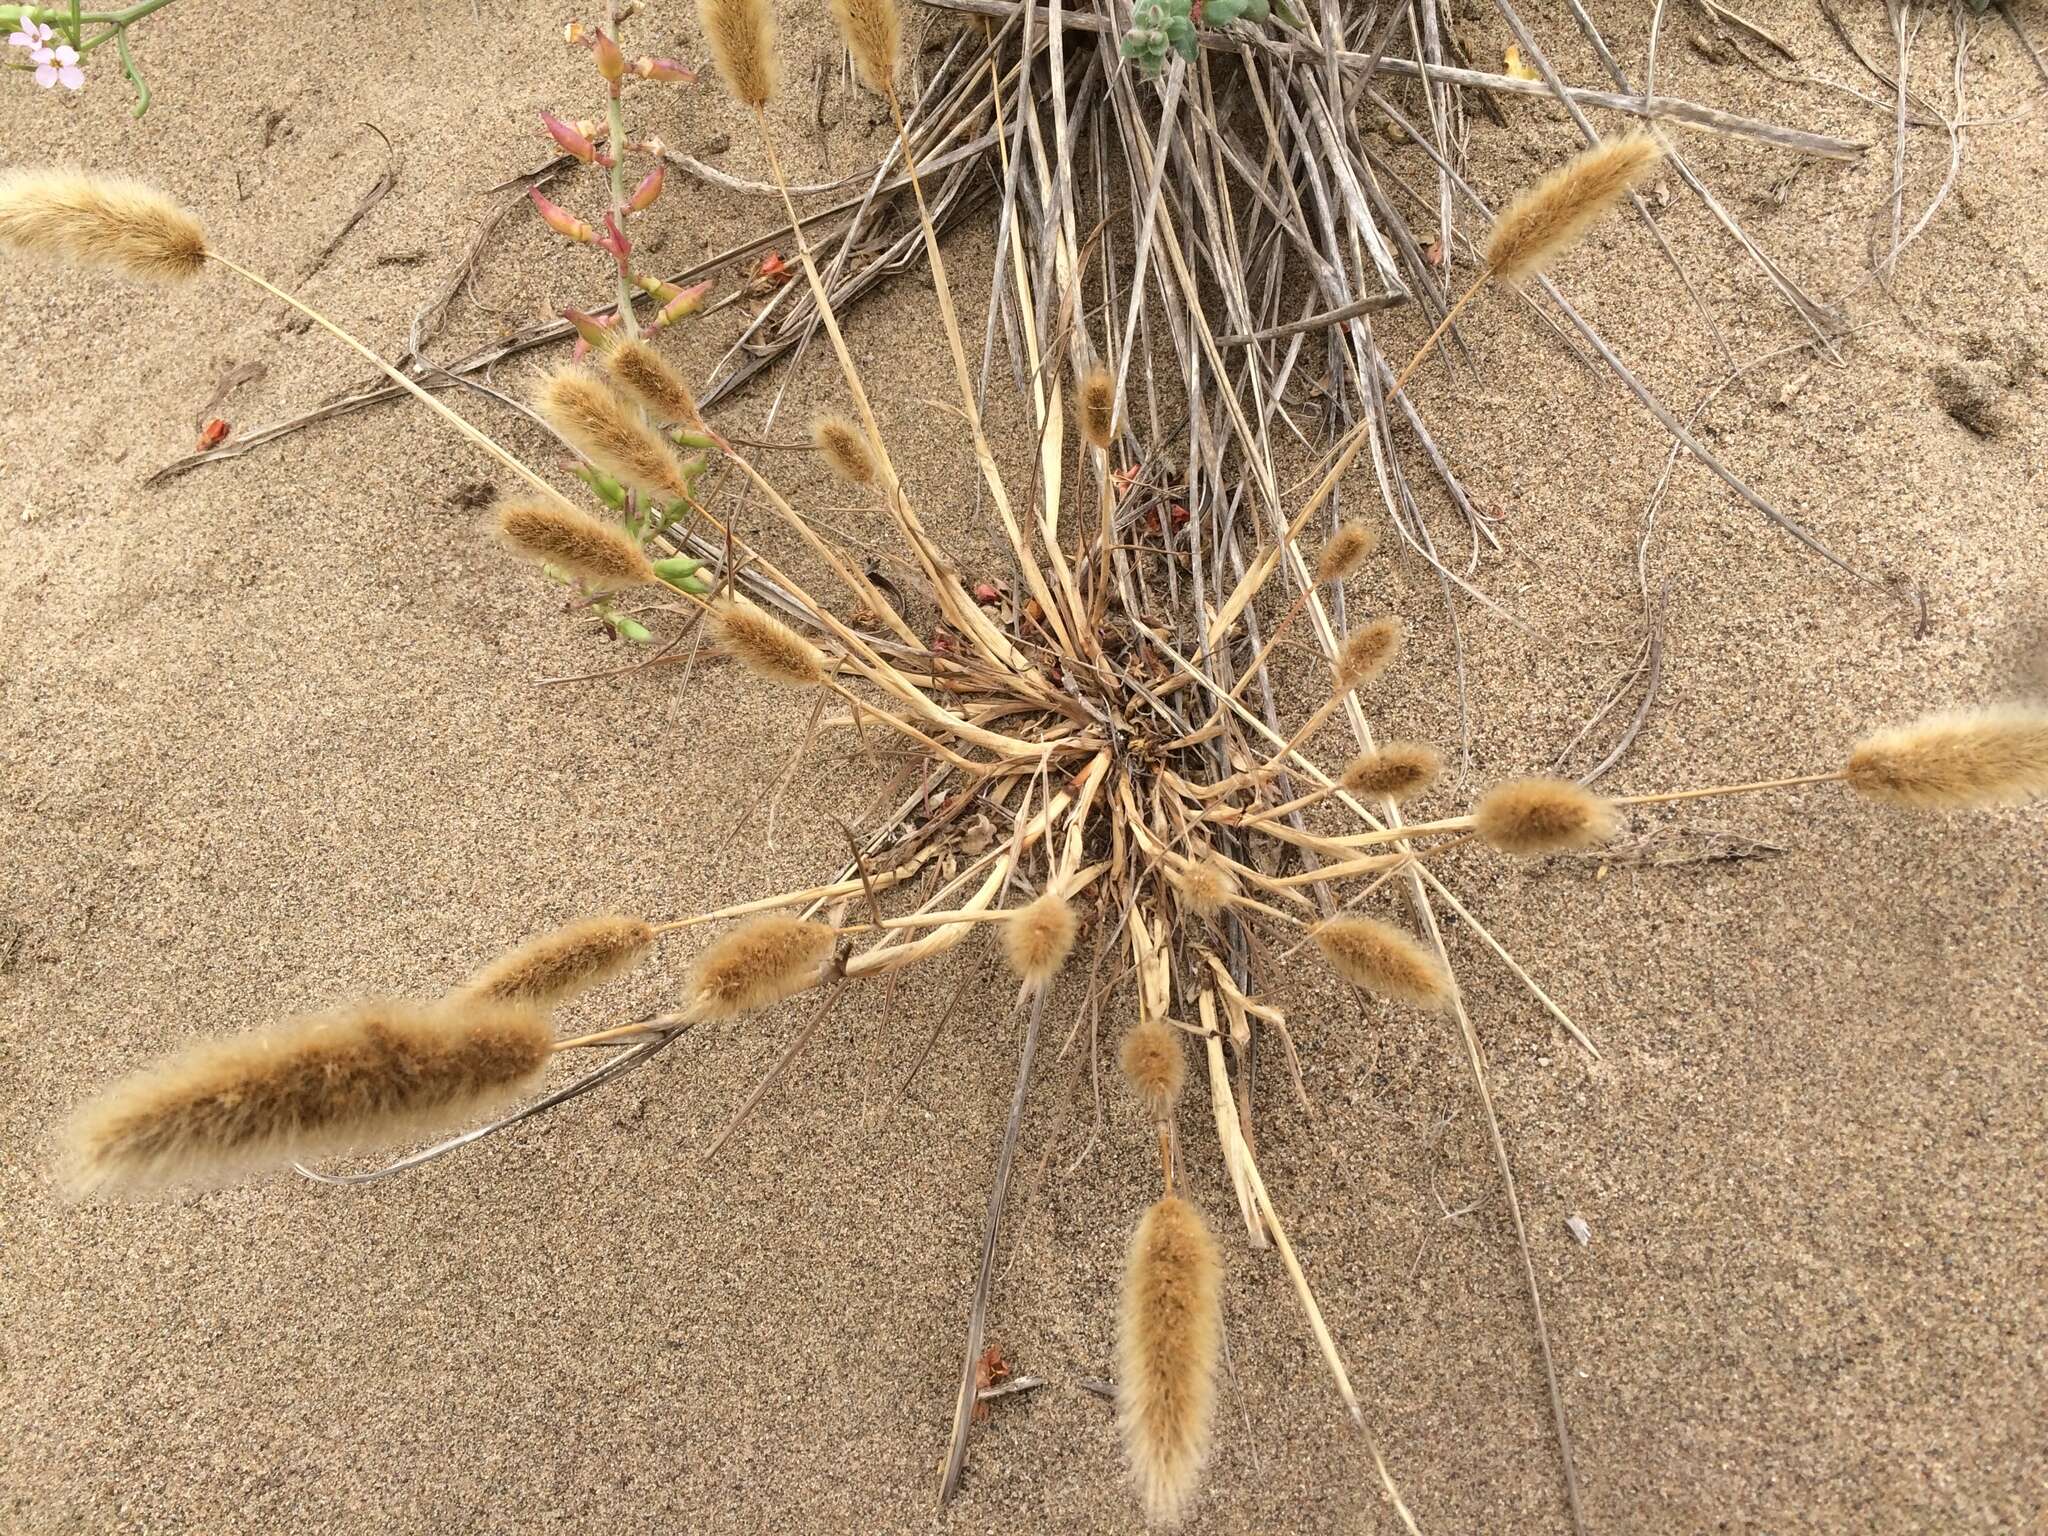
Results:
x,y
1143,799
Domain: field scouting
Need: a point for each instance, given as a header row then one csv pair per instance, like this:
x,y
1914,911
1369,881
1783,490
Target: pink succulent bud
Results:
x,y
664,69
614,239
656,289
610,62
561,221
593,331
687,302
571,140
649,189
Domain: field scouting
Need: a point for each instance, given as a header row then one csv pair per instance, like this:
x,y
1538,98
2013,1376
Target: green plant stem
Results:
x,y
71,16
615,122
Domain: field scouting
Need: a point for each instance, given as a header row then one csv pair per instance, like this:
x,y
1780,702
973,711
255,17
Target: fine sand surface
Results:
x,y
272,738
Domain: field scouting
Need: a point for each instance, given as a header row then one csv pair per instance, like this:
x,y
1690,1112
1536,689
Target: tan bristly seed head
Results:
x,y
766,646
1168,1336
96,221
599,424
549,970
1549,218
1532,817
1379,958
361,1077
601,555
1984,757
873,31
741,35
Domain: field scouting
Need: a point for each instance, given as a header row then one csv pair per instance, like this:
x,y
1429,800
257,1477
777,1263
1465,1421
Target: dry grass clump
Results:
x,y
364,1076
1954,761
1549,218
1398,771
643,373
1155,1066
1347,549
1367,652
1531,817
844,449
605,429
766,646
1038,938
1379,958
741,36
601,555
873,31
759,963
1098,406
99,221
556,966
1166,1347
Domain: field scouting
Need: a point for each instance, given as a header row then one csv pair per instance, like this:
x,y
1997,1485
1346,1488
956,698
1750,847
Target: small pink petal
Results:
x,y
46,76
72,77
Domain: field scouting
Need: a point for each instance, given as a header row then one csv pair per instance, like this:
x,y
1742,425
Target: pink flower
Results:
x,y
57,66
54,66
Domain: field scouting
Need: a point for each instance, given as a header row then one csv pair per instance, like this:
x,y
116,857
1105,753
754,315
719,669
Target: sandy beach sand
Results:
x,y
273,736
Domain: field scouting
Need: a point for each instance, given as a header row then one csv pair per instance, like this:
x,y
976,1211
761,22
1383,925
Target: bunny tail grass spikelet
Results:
x,y
93,221
1098,406
1205,887
1166,1346
873,31
642,372
758,963
607,430
1531,817
1549,218
1954,761
1398,771
1367,652
361,1077
556,966
766,646
1379,958
1348,548
601,555
844,449
1155,1066
1038,938
741,34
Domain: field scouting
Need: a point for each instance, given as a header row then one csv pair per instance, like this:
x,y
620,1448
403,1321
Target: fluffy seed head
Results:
x,y
766,646
742,38
1168,1330
609,432
874,35
1346,551
645,374
361,1077
1549,218
1398,771
94,221
1205,886
1038,938
844,449
601,555
1530,817
1367,652
1379,958
1098,406
556,966
1155,1066
1954,761
760,962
